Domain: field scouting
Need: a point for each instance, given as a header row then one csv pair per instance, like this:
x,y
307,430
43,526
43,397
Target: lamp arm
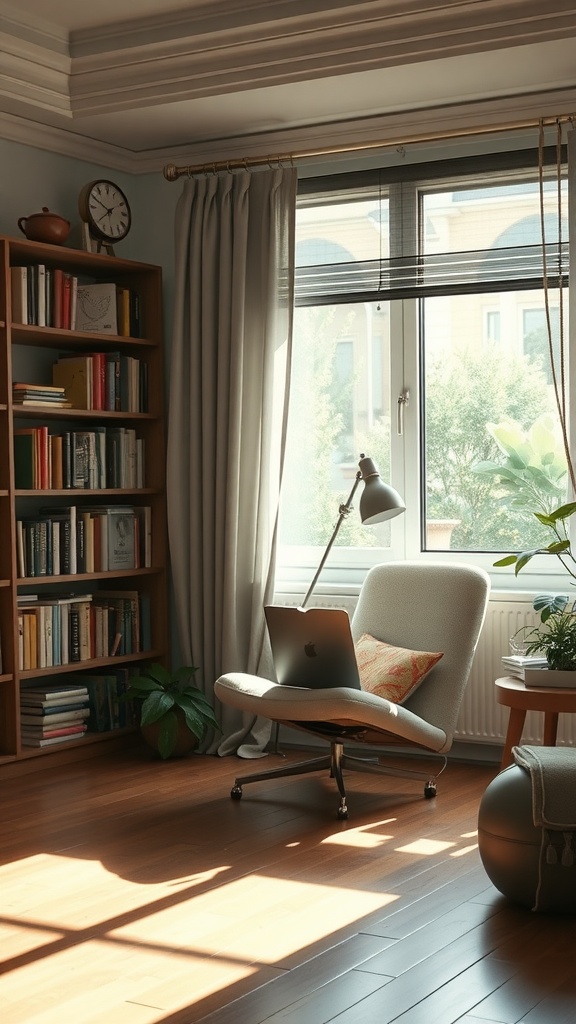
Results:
x,y
344,510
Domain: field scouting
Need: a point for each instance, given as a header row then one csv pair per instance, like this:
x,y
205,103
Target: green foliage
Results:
x,y
560,547
533,474
556,638
465,390
160,692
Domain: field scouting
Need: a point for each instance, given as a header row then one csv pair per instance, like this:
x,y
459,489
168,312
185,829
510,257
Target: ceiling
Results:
x,y
135,83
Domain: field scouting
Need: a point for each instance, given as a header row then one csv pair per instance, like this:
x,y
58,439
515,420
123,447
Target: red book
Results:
x,y
44,459
66,300
46,734
98,380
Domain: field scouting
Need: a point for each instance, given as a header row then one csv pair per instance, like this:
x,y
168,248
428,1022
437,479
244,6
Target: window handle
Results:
x,y
403,400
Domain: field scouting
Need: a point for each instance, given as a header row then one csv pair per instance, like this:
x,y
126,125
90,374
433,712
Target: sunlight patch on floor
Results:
x,y
425,847
287,915
364,837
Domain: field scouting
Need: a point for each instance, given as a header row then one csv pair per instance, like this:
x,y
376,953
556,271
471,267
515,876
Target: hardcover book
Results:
x,y
74,374
96,308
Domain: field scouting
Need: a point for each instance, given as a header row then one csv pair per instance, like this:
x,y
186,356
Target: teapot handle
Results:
x,y
21,223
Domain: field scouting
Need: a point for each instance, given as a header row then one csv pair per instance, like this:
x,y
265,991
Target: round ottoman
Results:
x,y
511,847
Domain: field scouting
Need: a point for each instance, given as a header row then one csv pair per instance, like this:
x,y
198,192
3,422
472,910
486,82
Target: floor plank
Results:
x,y
136,891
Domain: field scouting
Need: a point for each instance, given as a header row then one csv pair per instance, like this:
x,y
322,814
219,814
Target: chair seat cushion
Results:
x,y
392,672
341,705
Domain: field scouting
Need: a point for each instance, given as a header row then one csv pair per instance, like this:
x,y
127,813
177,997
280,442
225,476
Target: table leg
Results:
x,y
550,728
513,735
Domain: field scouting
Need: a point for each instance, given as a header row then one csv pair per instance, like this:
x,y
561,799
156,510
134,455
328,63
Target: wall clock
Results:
x,y
105,210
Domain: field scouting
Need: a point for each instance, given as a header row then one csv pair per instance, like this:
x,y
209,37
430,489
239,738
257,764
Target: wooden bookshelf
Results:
x,y
27,353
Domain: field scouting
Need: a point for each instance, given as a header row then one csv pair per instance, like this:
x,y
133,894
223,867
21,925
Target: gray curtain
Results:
x,y
229,382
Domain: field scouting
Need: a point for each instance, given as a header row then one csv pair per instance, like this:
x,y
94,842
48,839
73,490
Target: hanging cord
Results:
x,y
559,388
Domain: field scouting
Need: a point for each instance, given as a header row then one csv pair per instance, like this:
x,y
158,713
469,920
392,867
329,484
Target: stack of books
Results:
x,y
516,664
44,395
53,714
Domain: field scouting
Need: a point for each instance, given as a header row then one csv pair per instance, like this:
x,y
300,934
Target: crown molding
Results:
x,y
201,53
209,56
64,142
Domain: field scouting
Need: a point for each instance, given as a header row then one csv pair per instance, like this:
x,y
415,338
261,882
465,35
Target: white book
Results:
x,y
55,548
96,308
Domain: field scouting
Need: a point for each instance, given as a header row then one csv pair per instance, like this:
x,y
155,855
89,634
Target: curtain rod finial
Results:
x,y
170,172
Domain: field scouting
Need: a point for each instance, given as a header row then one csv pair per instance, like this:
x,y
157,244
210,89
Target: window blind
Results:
x,y
483,270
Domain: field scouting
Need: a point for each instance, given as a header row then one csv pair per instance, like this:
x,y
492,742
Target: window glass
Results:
x,y
339,408
487,381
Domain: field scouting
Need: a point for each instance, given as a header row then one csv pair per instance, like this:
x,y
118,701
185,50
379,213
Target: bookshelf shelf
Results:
x,y
52,337
132,601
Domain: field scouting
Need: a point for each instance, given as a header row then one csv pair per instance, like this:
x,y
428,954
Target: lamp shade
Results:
x,y
379,501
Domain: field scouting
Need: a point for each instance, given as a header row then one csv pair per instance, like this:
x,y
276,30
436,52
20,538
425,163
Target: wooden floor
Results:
x,y
137,892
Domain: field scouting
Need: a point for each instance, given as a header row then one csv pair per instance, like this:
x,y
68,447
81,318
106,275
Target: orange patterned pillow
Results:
x,y
391,672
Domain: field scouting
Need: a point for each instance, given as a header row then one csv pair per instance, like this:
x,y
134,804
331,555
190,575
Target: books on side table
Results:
x,y
535,672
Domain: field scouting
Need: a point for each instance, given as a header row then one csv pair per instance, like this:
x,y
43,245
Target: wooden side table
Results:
x,y
514,694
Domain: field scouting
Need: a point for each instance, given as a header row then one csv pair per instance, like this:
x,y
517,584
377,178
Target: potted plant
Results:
x,y
556,638
174,714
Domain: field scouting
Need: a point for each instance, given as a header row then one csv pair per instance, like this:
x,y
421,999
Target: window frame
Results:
x,y
346,568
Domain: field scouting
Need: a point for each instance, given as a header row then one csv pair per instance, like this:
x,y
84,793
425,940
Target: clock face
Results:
x,y
105,208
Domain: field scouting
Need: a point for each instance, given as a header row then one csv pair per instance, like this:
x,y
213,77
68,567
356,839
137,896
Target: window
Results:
x,y
492,325
432,287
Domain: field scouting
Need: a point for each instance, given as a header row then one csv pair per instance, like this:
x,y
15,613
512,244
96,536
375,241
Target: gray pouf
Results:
x,y
513,849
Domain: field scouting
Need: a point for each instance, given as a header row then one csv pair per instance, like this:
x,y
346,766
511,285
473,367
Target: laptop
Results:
x,y
312,647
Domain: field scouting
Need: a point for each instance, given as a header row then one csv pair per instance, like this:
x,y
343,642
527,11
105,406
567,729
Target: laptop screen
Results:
x,y
312,647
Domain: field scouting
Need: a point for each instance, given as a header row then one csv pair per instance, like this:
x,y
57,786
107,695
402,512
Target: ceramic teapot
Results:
x,y
45,227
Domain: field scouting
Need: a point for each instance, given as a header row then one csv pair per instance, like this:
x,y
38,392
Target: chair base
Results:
x,y
335,761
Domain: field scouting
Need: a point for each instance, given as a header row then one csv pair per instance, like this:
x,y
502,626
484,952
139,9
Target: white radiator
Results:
x,y
481,719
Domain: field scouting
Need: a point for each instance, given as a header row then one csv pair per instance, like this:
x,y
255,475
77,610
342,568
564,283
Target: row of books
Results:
x,y
63,629
106,381
104,457
51,297
65,711
67,540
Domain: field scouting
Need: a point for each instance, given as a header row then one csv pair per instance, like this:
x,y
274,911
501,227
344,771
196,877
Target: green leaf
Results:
x,y
507,560
525,557
155,706
168,734
558,546
564,512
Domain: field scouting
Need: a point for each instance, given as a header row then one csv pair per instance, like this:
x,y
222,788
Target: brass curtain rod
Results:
x,y
172,172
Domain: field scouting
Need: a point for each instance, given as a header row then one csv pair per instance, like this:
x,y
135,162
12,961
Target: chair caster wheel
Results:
x,y
429,790
236,792
343,813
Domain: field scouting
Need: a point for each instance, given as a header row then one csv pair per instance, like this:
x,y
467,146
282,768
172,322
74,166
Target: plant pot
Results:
x,y
439,533
186,741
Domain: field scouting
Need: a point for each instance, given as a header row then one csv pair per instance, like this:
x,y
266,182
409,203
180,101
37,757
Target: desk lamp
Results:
x,y
378,502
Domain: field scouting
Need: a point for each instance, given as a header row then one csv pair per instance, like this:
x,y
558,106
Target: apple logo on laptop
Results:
x,y
310,650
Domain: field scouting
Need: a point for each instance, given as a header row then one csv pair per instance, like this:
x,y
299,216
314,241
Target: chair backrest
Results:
x,y
428,606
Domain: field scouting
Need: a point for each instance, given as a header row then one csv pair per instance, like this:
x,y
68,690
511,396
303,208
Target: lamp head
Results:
x,y
379,501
